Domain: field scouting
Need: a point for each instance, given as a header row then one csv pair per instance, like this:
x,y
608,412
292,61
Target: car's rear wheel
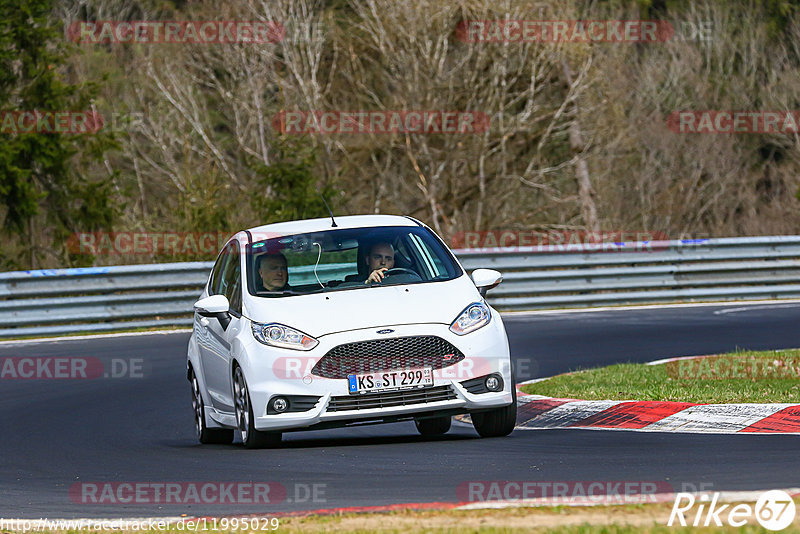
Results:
x,y
204,434
433,426
499,422
251,438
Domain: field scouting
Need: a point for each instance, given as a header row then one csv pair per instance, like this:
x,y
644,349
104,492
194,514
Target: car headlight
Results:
x,y
474,316
278,335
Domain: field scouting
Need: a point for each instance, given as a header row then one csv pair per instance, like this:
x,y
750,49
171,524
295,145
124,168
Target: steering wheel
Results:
x,y
398,270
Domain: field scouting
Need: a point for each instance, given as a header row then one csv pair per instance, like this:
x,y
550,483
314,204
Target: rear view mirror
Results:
x,y
486,279
214,306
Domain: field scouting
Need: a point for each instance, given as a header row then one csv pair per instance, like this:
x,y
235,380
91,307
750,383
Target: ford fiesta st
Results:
x,y
363,319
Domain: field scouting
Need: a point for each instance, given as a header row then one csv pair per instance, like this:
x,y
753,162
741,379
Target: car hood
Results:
x,y
319,314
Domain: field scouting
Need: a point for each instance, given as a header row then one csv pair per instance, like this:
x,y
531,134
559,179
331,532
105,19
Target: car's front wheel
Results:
x,y
251,438
204,434
433,426
499,422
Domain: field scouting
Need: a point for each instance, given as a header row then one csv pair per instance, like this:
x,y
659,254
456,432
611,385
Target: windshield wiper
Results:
x,y
288,292
281,293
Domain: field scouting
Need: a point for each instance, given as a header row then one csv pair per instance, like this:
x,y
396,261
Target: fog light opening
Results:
x,y
494,383
280,404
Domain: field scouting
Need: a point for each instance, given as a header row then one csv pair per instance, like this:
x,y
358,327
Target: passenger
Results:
x,y
274,272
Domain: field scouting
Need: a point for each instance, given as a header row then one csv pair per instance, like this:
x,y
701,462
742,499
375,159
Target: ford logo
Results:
x,y
385,331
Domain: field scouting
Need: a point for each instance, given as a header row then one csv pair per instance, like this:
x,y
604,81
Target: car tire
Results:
x,y
499,422
433,426
206,436
251,438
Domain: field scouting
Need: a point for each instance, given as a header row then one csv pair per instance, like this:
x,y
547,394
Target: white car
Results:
x,y
337,344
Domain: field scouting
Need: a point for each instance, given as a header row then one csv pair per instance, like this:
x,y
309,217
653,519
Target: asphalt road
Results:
x,y
57,433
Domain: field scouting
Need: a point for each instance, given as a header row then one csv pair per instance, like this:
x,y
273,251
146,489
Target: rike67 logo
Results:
x,y
774,510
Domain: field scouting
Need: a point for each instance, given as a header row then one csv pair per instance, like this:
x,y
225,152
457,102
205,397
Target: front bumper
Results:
x,y
279,372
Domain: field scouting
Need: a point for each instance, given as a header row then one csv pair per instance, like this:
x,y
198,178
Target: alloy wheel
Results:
x,y
242,401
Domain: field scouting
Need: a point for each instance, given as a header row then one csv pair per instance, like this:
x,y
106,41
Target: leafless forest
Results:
x,y
578,137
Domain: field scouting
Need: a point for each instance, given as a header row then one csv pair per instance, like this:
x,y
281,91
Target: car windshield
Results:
x,y
335,260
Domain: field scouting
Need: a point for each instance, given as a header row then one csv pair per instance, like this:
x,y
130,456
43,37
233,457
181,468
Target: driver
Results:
x,y
272,268
379,260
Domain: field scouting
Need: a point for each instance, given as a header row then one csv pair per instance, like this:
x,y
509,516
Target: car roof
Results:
x,y
324,223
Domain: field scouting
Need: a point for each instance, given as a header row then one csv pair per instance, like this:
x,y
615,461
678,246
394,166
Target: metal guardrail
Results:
x,y
97,299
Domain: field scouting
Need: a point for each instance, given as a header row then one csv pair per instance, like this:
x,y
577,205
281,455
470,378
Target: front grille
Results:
x,y
387,355
392,398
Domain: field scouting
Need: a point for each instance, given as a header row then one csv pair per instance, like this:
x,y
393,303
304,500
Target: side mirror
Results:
x,y
214,306
486,279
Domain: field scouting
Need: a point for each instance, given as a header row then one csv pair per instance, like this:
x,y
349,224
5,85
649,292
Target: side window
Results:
x,y
213,284
235,298
231,280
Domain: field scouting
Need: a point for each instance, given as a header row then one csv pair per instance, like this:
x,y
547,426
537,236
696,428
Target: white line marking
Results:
x,y
93,336
561,311
751,308
679,358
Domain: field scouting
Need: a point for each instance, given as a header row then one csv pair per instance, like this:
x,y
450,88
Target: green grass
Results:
x,y
744,376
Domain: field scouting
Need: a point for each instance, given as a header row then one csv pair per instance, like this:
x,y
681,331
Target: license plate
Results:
x,y
390,380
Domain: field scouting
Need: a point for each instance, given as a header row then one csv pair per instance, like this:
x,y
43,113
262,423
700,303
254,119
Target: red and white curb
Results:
x,y
536,412
575,500
582,500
